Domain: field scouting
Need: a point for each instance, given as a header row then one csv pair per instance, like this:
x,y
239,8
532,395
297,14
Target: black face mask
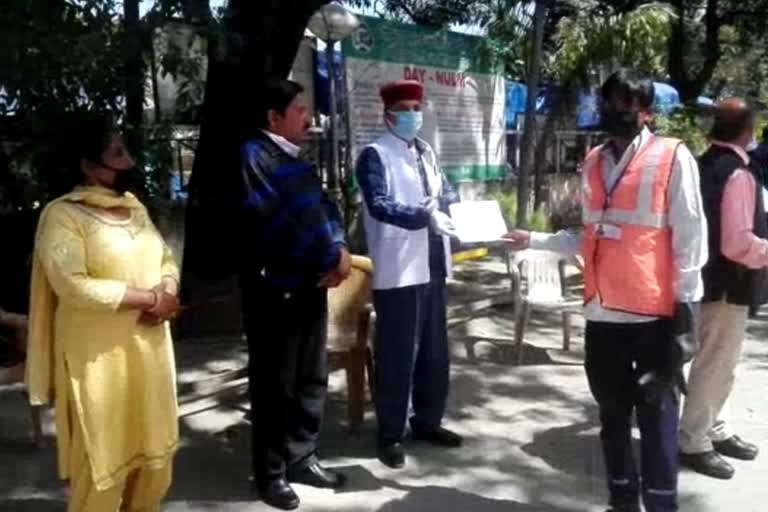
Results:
x,y
124,179
619,123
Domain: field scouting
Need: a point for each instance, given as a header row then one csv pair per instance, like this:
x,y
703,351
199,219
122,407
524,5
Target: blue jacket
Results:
x,y
295,231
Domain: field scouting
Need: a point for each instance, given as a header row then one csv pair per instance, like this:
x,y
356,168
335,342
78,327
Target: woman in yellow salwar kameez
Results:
x,y
103,285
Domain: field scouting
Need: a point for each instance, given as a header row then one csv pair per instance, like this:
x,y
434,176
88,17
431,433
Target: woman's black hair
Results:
x,y
92,135
88,137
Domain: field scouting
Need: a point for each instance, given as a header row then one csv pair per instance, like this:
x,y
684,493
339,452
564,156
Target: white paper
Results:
x,y
478,221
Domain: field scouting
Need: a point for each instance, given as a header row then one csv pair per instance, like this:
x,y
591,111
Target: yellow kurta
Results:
x,y
111,375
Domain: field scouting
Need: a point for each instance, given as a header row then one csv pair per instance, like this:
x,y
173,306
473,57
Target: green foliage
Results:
x,y
508,39
686,124
537,220
508,203
60,58
588,42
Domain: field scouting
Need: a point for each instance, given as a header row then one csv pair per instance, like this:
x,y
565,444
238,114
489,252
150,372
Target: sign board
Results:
x,y
464,104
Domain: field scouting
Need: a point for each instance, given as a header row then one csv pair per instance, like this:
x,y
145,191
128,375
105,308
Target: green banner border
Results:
x,y
414,45
461,173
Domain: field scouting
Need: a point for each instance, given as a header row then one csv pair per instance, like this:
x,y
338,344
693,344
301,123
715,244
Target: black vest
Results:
x,y
723,277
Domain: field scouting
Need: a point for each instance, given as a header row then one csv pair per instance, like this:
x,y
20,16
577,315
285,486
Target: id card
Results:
x,y
608,231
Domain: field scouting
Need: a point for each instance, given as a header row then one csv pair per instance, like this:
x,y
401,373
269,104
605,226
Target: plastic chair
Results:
x,y
538,279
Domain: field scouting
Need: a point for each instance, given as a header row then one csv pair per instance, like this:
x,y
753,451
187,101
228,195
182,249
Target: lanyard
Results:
x,y
609,192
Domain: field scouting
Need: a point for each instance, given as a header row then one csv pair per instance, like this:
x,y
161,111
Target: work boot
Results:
x,y
277,493
392,456
440,437
316,475
735,448
707,463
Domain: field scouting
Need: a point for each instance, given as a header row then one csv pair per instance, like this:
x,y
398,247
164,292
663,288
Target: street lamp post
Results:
x,y
332,23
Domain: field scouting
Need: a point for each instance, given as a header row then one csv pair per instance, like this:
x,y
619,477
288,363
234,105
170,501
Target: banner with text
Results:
x,y
464,103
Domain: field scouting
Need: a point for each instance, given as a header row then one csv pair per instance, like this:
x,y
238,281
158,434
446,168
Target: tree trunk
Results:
x,y
563,105
260,41
691,83
134,81
529,129
540,161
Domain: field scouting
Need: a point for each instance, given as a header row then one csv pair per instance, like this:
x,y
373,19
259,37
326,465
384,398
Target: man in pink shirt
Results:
x,y
734,279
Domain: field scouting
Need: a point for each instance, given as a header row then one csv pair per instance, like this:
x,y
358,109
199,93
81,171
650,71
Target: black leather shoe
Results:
x,y
625,509
316,475
439,437
707,463
392,456
735,448
278,493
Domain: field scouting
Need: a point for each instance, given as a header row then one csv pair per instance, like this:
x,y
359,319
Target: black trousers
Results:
x,y
616,356
411,349
288,375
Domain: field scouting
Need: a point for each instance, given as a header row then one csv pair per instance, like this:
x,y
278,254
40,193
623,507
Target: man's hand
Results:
x,y
335,277
518,239
430,204
685,329
680,348
442,224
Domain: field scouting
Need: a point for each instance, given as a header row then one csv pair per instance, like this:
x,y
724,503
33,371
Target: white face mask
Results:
x,y
752,145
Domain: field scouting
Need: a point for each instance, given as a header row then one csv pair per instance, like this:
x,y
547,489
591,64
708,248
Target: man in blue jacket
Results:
x,y
294,250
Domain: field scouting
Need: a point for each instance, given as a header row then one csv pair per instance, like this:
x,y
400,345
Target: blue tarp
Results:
x,y
517,95
322,84
666,99
587,115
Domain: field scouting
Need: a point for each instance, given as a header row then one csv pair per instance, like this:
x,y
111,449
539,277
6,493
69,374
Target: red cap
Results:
x,y
402,90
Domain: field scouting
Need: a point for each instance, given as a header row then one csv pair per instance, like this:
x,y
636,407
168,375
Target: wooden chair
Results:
x,y
16,327
350,317
538,279
12,376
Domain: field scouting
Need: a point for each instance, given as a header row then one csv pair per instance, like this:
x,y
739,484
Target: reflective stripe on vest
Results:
x,y
634,273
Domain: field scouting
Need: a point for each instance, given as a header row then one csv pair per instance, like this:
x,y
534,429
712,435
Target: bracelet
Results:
x,y
156,301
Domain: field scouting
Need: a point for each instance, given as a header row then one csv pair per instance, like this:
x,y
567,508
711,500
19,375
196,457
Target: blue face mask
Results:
x,y
407,124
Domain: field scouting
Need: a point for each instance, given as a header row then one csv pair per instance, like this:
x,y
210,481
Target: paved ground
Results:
x,y
531,435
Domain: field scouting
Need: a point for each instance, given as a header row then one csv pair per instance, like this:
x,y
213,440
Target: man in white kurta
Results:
x,y
408,232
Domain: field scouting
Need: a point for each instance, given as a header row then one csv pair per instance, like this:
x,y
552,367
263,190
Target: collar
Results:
x,y
640,139
733,147
397,143
102,197
286,145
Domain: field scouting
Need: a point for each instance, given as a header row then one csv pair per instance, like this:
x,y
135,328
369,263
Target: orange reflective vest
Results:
x,y
627,250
